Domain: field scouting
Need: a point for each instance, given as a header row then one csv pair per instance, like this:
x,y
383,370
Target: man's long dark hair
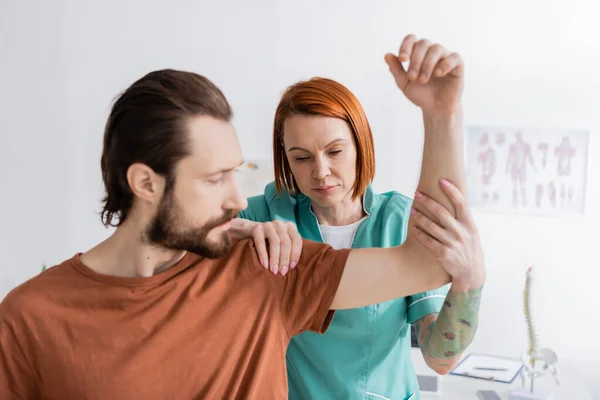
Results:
x,y
147,124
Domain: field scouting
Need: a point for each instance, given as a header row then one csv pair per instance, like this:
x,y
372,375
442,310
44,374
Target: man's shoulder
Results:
x,y
245,247
27,297
321,255
241,255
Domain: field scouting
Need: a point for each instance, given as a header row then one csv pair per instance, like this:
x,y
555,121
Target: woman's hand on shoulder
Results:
x,y
278,244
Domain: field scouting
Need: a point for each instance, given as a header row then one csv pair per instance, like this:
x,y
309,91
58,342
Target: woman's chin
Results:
x,y
327,201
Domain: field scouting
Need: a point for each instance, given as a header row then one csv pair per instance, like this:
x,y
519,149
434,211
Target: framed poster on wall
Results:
x,y
527,170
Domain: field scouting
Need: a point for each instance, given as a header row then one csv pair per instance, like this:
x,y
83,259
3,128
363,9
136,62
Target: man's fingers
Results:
x,y
406,48
450,65
423,61
432,58
416,59
397,70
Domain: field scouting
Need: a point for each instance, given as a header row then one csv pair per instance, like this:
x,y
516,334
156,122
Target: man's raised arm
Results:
x,y
433,82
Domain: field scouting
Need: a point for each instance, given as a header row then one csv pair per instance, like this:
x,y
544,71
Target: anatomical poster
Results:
x,y
527,170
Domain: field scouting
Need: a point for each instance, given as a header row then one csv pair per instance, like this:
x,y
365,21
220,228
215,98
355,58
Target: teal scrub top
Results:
x,y
366,352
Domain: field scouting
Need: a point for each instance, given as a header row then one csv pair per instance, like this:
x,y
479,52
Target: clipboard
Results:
x,y
489,367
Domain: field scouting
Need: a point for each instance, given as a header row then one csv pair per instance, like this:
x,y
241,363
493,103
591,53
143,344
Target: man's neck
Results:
x,y
124,254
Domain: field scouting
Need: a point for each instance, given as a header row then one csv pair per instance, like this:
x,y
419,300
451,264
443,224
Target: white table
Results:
x,y
463,388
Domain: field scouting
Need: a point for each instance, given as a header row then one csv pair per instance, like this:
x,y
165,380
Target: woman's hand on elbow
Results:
x,y
454,240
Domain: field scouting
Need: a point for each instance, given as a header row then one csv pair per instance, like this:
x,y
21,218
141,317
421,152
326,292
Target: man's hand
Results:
x,y
454,241
434,80
282,239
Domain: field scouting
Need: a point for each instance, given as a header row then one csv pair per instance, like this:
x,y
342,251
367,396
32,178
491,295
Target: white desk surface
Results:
x,y
463,388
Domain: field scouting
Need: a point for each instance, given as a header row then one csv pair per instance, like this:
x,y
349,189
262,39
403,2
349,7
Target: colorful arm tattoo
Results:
x,y
443,337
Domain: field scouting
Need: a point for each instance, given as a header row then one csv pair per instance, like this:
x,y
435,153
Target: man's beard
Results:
x,y
168,229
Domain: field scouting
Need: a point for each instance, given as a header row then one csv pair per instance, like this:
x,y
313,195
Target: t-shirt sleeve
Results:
x,y
16,378
423,304
309,290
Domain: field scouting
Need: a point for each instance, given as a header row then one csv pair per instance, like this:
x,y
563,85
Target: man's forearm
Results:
x,y
442,158
412,267
455,327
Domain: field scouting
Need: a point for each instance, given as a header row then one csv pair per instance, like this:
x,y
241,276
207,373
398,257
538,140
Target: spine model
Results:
x,y
531,331
532,334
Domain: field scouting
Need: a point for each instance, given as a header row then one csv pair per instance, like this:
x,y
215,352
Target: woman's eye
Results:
x,y
216,181
301,158
335,152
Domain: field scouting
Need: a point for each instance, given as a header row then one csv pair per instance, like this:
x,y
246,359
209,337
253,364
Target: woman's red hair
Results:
x,y
322,96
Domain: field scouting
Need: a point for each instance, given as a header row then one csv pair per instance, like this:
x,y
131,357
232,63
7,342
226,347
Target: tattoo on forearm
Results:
x,y
449,335
455,326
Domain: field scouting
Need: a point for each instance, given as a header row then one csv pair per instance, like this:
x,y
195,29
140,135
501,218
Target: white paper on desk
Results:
x,y
468,367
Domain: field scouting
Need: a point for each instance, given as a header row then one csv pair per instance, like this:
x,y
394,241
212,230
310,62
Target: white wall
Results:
x,y
529,63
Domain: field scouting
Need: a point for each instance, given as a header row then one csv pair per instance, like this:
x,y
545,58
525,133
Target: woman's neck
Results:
x,y
345,213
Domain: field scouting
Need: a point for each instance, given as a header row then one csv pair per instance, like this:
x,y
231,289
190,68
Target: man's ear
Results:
x,y
145,183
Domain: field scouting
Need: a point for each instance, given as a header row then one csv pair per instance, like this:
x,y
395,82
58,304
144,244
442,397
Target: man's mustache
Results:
x,y
228,216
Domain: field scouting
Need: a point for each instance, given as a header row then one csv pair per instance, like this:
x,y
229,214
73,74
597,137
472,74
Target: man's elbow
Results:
x,y
442,370
442,367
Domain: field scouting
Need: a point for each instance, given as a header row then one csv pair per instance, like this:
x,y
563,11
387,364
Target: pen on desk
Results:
x,y
490,369
489,378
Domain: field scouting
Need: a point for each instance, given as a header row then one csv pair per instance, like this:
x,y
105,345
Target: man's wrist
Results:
x,y
467,284
436,123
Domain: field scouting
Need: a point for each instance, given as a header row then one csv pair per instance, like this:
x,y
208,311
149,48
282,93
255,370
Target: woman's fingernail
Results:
x,y
445,182
275,269
418,195
265,263
413,211
293,264
284,270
